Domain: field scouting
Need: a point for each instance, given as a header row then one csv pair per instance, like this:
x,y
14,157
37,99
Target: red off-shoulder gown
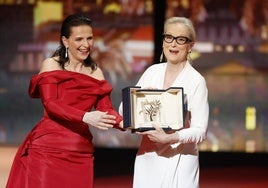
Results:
x,y
58,152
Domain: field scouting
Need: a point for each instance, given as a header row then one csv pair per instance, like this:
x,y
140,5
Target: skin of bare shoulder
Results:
x,y
49,64
98,74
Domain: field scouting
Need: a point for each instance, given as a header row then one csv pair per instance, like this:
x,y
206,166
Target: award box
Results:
x,y
144,107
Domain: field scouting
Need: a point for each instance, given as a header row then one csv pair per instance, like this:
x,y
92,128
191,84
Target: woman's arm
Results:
x,y
62,112
199,108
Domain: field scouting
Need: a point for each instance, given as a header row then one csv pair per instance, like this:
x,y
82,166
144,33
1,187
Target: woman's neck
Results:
x,y
74,66
172,72
175,67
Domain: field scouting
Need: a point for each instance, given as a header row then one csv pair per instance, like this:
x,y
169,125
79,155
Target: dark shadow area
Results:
x,y
111,162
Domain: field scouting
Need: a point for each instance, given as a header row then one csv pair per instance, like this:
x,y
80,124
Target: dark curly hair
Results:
x,y
72,21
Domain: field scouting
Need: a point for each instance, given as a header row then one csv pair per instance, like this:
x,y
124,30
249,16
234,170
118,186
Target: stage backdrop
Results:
x,y
231,52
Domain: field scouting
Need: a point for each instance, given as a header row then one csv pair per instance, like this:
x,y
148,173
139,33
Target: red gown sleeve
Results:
x,y
104,104
56,107
46,88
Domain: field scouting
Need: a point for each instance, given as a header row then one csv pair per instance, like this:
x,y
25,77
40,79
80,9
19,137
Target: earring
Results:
x,y
161,57
189,56
66,52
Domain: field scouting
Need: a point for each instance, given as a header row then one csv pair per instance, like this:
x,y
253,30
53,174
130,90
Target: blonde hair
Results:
x,y
184,21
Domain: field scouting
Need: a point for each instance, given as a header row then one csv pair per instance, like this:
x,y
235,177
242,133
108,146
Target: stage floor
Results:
x,y
220,177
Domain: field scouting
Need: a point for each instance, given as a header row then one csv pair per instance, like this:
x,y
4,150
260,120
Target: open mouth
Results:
x,y
174,52
84,52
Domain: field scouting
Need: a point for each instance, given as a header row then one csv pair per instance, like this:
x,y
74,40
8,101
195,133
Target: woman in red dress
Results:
x,y
58,152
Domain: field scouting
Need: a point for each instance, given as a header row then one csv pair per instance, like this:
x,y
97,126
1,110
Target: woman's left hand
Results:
x,y
160,136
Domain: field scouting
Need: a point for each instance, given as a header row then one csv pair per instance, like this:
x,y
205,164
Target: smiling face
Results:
x,y
174,52
80,43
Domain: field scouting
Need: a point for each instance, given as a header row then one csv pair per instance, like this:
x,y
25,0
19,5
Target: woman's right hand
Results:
x,y
100,120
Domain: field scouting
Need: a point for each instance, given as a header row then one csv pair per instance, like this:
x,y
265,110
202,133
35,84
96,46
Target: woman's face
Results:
x,y
174,52
80,43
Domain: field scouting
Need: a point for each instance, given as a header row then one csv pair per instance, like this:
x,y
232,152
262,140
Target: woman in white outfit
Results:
x,y
170,160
